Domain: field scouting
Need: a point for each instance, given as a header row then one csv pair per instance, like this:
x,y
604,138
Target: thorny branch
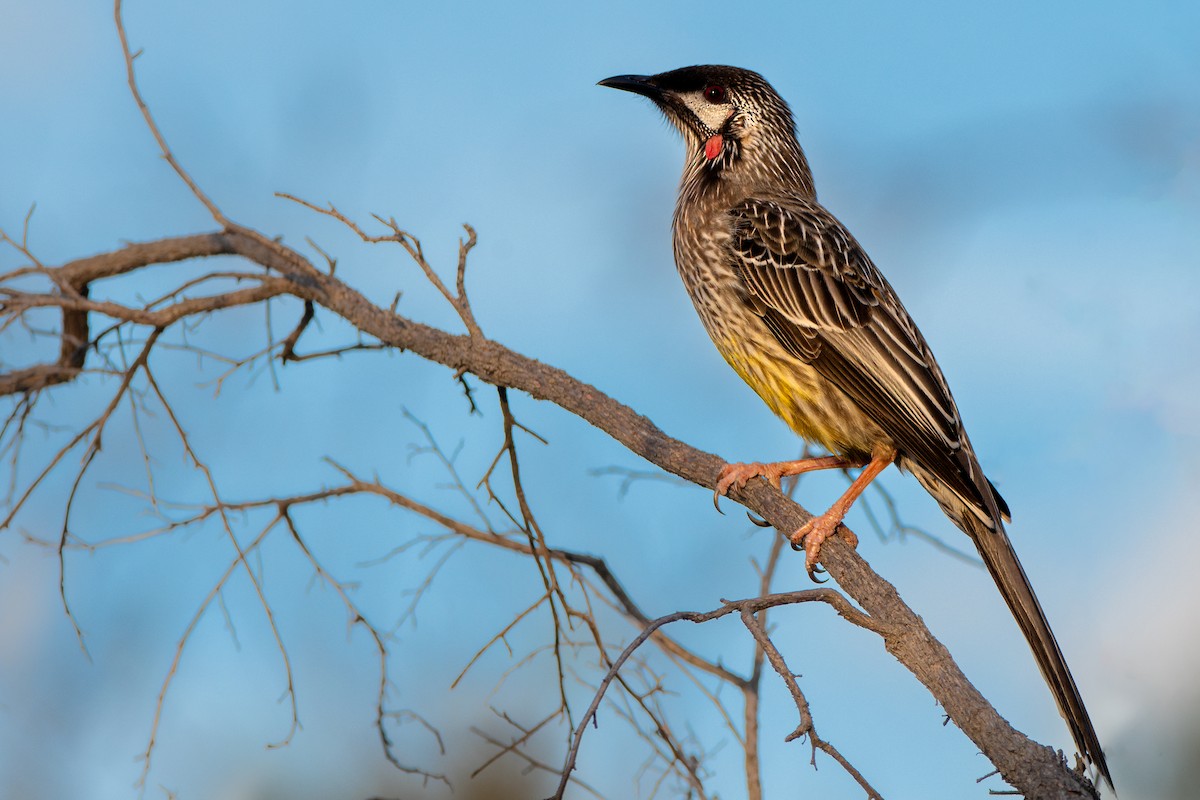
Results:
x,y
569,598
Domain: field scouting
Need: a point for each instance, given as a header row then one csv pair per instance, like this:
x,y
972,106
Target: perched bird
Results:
x,y
802,315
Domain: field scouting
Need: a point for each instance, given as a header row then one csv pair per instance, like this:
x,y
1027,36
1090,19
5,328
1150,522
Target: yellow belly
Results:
x,y
801,397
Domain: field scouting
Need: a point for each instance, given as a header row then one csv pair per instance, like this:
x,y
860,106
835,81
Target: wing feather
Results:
x,y
827,304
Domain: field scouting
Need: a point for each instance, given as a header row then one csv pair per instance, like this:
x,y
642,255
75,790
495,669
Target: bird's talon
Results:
x,y
734,476
813,534
762,523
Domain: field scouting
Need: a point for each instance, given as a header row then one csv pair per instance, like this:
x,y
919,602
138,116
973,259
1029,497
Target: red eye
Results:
x,y
715,94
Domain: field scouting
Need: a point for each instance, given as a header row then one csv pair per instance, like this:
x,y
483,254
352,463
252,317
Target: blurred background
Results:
x,y
1027,175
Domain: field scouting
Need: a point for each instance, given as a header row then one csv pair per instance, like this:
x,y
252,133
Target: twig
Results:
x,y
753,605
153,126
412,245
806,727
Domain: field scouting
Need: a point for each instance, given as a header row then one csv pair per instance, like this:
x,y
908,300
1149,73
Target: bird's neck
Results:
x,y
748,168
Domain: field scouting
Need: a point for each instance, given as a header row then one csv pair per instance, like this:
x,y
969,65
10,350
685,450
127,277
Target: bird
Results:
x,y
797,308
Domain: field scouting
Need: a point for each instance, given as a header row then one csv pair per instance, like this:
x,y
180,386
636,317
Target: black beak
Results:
x,y
638,84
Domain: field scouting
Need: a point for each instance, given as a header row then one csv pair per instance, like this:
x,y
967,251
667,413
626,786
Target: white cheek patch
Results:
x,y
712,115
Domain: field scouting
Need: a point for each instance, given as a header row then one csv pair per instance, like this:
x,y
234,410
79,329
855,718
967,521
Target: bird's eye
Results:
x,y
715,94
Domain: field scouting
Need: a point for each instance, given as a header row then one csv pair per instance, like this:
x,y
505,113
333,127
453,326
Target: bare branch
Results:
x,y
412,245
806,727
357,617
153,126
160,702
751,606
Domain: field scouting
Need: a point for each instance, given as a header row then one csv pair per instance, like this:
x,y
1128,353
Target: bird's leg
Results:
x,y
735,476
818,529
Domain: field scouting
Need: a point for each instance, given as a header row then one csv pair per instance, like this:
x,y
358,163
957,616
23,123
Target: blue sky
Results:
x,y
1027,175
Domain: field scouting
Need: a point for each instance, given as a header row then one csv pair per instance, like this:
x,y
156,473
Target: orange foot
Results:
x,y
815,532
818,529
735,476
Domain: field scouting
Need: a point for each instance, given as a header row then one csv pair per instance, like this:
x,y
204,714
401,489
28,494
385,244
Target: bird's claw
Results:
x,y
735,476
813,534
812,573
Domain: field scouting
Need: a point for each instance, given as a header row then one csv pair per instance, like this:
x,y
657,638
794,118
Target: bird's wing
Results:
x,y
828,305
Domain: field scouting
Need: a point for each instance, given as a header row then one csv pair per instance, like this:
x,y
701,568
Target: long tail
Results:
x,y
1001,561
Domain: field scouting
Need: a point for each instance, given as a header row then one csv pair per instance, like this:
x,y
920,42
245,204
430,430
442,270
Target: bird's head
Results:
x,y
733,122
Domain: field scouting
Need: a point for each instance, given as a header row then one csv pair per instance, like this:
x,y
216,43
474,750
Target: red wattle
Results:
x,y
712,148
